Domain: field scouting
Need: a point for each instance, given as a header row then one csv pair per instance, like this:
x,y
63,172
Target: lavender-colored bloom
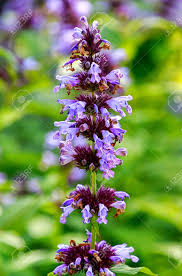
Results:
x,y
66,81
117,103
86,214
94,71
107,272
67,128
121,195
66,153
124,252
74,107
89,117
114,76
84,125
88,42
81,257
107,154
89,236
77,33
67,210
121,205
102,214
99,204
60,269
89,271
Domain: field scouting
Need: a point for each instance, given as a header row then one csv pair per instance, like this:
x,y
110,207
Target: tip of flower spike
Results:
x,y
95,25
83,19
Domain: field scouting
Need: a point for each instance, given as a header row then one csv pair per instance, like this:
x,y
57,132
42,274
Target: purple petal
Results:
x,y
59,270
94,71
86,215
102,214
121,195
89,272
121,205
108,272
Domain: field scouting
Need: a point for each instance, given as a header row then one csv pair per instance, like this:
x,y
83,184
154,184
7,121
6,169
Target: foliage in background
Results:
x,y
151,174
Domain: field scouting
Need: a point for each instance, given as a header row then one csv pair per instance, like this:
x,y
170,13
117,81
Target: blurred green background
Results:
x,y
32,190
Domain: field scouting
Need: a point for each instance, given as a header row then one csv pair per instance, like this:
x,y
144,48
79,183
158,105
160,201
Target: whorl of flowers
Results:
x,y
89,117
99,204
93,261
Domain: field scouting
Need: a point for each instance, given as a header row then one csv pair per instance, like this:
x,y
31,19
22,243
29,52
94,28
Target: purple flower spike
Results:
x,y
86,215
102,214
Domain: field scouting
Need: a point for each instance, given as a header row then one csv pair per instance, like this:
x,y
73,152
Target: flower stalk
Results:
x,y
94,226
94,231
89,118
94,182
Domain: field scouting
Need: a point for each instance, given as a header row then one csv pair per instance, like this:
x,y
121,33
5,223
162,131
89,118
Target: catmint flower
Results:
x,y
103,158
66,81
97,104
88,42
80,257
89,204
94,71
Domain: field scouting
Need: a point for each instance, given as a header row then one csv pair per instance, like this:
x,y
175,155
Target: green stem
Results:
x,y
94,227
93,221
94,232
94,183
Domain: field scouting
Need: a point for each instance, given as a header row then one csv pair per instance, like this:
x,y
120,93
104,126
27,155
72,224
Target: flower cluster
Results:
x,y
99,204
93,261
89,114
87,52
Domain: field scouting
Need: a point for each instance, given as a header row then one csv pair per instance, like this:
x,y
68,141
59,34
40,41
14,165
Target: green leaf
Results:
x,y
125,269
11,239
31,258
50,274
21,210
